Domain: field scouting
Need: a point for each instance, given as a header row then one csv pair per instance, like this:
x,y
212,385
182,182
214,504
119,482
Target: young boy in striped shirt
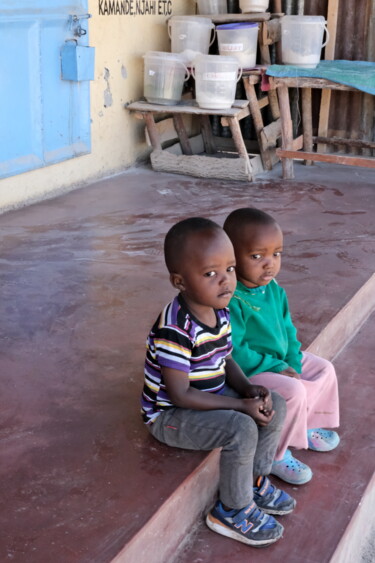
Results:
x,y
196,397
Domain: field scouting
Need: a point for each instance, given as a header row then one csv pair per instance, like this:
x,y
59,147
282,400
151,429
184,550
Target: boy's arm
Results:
x,y
184,396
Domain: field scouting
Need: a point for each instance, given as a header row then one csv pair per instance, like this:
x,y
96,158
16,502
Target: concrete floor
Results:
x,y
82,280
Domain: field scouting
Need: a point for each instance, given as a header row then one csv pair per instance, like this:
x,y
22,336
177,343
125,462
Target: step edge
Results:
x,y
150,542
342,328
352,540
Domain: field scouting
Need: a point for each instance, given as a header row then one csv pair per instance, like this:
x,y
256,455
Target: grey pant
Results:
x,y
247,449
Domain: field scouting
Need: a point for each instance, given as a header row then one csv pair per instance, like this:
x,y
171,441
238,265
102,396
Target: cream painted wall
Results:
x,y
117,138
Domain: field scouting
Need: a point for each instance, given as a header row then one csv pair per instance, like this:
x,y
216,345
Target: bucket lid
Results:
x,y
192,19
216,59
237,25
160,55
303,19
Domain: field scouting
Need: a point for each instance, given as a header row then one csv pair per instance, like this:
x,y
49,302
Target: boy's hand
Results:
x,y
260,392
290,372
256,409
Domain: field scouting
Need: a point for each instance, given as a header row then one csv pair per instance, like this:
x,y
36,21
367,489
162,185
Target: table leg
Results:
x,y
286,130
152,130
307,122
206,130
239,143
256,115
182,134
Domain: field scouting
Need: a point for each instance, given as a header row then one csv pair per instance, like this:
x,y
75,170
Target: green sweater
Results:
x,y
264,337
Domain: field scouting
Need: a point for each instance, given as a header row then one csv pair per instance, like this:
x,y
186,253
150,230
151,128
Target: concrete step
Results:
x,y
334,516
166,531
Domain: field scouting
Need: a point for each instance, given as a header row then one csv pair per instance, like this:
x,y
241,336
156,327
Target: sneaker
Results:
x,y
321,440
272,500
291,470
248,525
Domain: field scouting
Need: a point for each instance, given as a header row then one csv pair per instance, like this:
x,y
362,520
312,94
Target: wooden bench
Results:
x,y
200,156
291,148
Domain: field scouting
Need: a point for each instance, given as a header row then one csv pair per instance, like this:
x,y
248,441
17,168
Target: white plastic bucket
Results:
x,y
212,7
239,40
164,76
215,81
302,40
251,6
190,36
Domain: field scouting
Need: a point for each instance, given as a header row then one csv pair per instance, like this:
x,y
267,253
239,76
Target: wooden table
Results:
x,y
291,148
203,165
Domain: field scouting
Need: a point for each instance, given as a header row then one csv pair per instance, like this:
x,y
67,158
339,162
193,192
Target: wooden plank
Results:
x,y
234,18
272,132
182,134
258,122
208,140
335,158
297,143
238,141
304,82
307,122
329,55
286,131
188,107
358,143
274,104
152,130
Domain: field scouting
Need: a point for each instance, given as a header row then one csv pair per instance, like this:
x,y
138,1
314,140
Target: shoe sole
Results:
x,y
291,481
278,512
220,528
323,450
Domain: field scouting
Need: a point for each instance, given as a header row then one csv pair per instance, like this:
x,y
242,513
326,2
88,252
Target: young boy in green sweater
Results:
x,y
265,344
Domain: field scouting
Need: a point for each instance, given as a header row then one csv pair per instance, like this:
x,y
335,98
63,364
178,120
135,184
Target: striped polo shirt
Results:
x,y
179,341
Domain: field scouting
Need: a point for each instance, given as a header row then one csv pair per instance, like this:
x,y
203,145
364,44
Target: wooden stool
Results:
x,y
212,164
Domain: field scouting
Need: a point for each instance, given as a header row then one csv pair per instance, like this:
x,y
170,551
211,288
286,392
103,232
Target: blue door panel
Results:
x,y
43,119
66,121
19,94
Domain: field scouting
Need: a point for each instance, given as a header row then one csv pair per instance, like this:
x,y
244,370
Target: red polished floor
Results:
x,y
82,279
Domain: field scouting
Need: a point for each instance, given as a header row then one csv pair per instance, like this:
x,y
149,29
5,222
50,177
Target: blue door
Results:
x,y
43,118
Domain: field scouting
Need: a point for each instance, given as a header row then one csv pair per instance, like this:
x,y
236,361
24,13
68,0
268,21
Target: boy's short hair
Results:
x,y
177,236
245,216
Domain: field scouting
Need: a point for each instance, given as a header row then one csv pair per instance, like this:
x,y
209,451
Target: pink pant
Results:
x,y
312,401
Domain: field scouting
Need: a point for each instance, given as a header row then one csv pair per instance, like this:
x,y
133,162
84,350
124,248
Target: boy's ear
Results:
x,y
177,281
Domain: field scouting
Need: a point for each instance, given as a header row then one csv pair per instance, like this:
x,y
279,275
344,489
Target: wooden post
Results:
x,y
286,130
152,130
329,55
307,121
258,122
239,144
206,129
182,135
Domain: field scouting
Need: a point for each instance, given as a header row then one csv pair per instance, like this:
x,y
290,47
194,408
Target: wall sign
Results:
x,y
135,7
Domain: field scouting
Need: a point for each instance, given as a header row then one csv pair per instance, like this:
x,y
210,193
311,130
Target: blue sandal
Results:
x,y
291,470
321,440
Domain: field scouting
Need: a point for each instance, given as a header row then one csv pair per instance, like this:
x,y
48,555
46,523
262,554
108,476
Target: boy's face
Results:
x,y
206,276
258,254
